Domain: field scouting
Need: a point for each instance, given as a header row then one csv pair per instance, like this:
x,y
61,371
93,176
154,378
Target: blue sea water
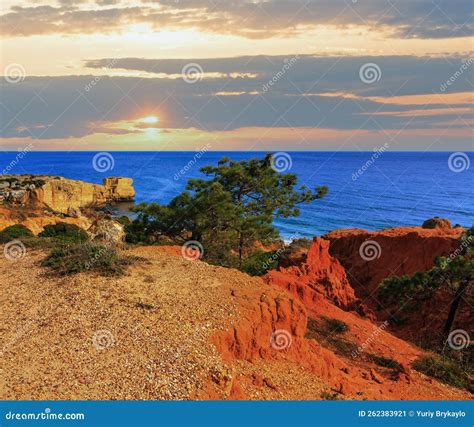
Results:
x,y
396,189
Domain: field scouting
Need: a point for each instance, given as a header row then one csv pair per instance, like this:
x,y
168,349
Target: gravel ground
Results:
x,y
144,335
141,336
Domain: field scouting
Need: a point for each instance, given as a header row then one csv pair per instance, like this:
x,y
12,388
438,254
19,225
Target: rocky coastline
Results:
x,y
38,200
179,328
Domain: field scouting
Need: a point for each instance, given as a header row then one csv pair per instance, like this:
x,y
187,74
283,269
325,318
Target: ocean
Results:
x,y
367,190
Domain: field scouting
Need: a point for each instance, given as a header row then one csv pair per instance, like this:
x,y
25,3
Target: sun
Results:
x,y
150,119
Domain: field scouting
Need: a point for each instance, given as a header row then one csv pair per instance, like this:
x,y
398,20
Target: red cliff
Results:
x,y
320,276
369,257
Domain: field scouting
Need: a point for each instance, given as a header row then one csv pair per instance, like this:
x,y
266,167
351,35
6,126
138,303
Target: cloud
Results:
x,y
307,74
307,92
250,19
39,20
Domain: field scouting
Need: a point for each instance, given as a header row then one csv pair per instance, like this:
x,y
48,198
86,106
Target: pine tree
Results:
x,y
229,210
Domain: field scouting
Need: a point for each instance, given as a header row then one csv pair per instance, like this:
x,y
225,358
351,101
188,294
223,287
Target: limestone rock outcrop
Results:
x,y
107,230
35,220
63,195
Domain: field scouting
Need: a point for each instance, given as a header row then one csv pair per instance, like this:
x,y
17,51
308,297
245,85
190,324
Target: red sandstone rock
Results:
x,y
319,287
320,276
395,252
259,318
251,339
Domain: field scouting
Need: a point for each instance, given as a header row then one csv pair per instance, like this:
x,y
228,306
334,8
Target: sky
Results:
x,y
255,75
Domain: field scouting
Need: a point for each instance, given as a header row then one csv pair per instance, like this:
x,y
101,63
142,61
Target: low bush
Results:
x,y
16,231
69,233
445,370
325,327
136,233
385,362
328,333
342,347
65,260
144,306
330,395
334,326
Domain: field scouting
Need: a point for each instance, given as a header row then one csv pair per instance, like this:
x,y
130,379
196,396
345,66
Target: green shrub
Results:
x,y
66,260
259,262
334,326
16,231
328,333
312,329
63,231
136,233
26,236
144,306
327,395
386,362
326,327
444,369
342,347
124,220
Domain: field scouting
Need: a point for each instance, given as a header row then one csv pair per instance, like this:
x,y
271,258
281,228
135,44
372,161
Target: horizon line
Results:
x,y
236,151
